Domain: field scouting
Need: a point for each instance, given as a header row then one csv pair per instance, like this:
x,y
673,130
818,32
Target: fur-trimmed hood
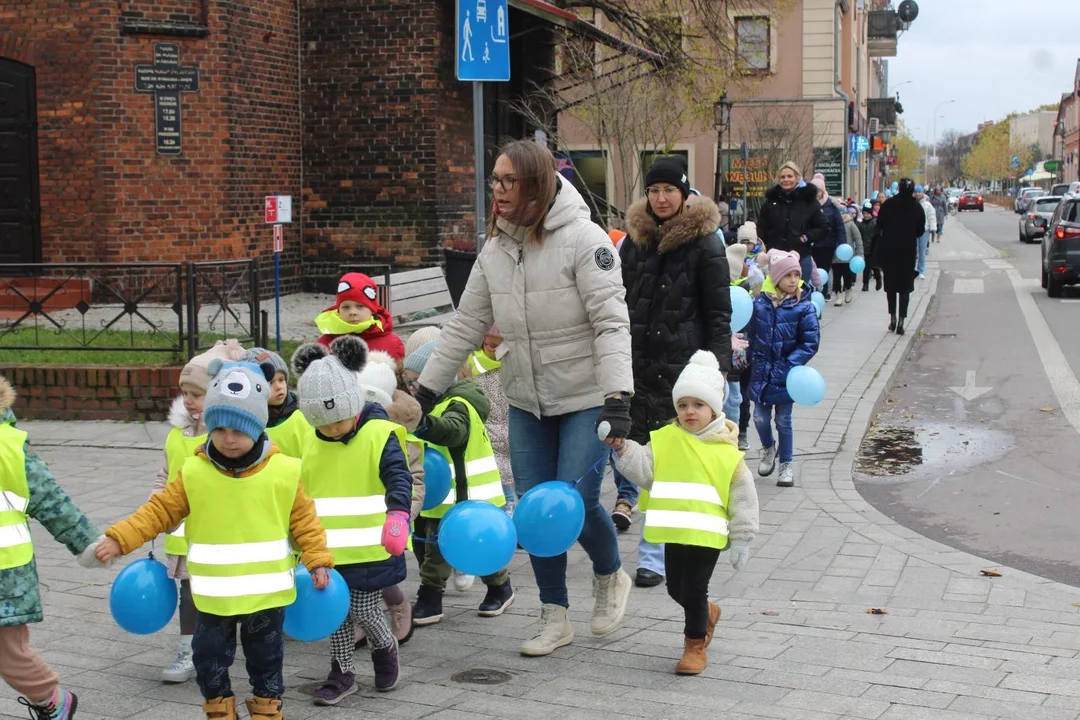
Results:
x,y
7,395
405,410
699,217
179,418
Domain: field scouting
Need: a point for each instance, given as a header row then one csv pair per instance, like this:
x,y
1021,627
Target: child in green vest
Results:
x,y
485,365
187,435
701,495
285,426
31,491
357,472
455,427
241,502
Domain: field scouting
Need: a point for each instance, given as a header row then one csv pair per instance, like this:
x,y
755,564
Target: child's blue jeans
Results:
x,y
763,420
733,401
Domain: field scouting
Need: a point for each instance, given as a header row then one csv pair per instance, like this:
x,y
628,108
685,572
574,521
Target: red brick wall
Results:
x,y
387,134
65,392
106,196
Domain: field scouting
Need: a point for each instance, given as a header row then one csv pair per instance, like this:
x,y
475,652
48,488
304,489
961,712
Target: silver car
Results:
x,y
1022,197
1035,219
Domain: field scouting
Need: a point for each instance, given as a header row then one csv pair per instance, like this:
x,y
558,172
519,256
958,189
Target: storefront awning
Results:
x,y
572,22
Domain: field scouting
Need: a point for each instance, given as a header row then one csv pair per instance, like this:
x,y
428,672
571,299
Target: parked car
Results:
x,y
1025,194
970,200
1061,248
1039,211
1059,189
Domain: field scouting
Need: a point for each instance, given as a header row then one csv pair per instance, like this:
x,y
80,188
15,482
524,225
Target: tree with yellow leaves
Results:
x,y
908,155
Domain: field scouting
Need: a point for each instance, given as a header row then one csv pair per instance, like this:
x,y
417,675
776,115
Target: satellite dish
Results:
x,y
908,10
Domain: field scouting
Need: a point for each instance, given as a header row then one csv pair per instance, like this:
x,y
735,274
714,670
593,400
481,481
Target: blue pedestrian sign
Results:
x,y
483,40
1015,162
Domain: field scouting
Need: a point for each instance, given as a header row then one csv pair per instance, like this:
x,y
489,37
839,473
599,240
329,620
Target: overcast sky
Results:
x,y
991,56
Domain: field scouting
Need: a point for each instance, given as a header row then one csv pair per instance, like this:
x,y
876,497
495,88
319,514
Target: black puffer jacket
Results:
x,y
786,216
676,278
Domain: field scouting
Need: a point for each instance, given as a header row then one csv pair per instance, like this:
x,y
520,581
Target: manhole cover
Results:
x,y
889,450
481,676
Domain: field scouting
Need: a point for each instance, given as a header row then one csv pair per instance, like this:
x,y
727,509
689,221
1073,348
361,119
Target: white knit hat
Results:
x,y
701,379
736,259
378,379
747,232
421,337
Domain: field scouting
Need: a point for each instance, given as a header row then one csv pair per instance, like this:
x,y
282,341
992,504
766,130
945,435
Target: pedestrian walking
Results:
x,y
940,202
703,499
869,231
843,279
835,235
791,218
924,239
550,278
900,225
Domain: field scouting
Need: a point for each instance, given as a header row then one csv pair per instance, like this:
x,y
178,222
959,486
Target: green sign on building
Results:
x,y
830,163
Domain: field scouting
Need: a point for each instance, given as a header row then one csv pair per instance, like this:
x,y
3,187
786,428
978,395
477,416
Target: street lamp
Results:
x,y
906,82
721,120
933,139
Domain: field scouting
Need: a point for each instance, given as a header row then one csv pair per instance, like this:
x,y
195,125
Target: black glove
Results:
x,y
426,398
616,413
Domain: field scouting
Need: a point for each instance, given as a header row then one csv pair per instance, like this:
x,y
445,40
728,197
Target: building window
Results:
x,y
587,170
752,42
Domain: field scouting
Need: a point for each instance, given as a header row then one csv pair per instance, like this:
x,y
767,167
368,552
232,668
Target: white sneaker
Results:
x,y
787,477
463,582
839,300
768,462
554,632
612,593
922,276
182,669
849,295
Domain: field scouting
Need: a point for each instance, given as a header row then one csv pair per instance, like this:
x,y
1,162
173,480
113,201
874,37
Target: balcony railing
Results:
x,y
884,109
883,29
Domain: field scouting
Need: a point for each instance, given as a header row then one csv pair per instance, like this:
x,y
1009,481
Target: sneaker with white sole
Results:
x,y
182,669
849,295
744,442
787,476
612,593
463,582
768,461
622,514
554,632
839,300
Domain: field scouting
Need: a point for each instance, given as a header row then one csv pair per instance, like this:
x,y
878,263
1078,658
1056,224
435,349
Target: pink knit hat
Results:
x,y
818,181
781,263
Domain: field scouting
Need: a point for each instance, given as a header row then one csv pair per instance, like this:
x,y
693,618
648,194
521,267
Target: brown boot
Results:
x,y
220,708
693,658
264,709
714,617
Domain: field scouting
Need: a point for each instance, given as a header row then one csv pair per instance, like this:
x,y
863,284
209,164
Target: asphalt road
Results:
x,y
973,447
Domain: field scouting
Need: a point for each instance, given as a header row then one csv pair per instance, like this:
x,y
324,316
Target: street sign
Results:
x,y
853,160
1015,161
278,209
1051,165
483,40
279,238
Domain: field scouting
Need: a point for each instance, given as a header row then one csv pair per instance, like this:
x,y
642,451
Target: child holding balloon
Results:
x,y
240,500
356,469
783,334
702,497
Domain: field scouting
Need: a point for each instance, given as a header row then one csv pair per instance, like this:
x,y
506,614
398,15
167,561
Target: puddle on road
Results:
x,y
893,453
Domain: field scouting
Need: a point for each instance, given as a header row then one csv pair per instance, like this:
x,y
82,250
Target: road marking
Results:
x,y
1030,482
1074,300
972,286
997,263
970,391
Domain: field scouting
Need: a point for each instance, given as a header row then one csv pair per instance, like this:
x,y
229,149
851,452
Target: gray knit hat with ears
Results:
x,y
260,355
328,388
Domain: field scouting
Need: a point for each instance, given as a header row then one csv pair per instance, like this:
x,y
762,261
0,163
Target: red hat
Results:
x,y
359,288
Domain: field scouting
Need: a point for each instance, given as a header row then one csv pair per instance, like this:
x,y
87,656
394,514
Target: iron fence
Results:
x,y
232,286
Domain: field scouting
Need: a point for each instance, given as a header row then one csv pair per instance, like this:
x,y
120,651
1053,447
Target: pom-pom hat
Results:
x,y
329,390
701,379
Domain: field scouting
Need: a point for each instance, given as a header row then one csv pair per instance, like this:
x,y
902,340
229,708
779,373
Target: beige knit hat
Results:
x,y
421,337
196,373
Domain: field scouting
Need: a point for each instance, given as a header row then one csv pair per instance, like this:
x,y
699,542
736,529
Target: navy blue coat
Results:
x,y
780,338
835,234
395,475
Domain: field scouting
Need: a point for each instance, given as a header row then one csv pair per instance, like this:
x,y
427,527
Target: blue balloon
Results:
x,y
477,538
844,252
549,518
818,301
143,597
805,385
857,264
316,614
437,480
823,276
742,309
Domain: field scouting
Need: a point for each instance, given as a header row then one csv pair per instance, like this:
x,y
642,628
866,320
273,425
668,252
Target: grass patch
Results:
x,y
54,347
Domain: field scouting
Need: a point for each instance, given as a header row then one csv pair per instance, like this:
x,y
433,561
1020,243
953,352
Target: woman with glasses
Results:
x,y
549,278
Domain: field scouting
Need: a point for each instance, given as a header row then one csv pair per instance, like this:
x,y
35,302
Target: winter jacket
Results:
x,y
405,411
900,223
377,338
452,428
190,426
929,214
677,278
636,463
869,231
560,306
940,203
498,423
835,234
781,337
20,596
787,216
852,237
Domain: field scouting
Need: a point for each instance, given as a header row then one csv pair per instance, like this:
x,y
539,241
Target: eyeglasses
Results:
x,y
412,385
506,182
668,191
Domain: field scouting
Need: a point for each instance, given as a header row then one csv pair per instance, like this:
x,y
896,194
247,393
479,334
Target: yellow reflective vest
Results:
x,y
688,501
482,474
349,495
178,448
239,556
480,363
292,436
16,547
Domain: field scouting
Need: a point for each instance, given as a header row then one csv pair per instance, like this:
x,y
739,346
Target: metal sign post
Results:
x,y
278,210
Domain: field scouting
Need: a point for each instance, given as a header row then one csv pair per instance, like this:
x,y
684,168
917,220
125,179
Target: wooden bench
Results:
x,y
407,293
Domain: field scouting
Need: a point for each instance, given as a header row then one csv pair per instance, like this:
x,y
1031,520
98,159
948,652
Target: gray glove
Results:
x,y
88,559
740,553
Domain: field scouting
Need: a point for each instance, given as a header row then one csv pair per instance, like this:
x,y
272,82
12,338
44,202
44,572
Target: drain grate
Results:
x,y
481,676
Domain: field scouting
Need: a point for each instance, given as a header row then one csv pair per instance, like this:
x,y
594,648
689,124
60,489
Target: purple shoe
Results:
x,y
386,667
338,686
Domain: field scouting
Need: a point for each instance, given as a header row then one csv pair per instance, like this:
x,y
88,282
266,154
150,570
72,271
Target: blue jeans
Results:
x,y
565,447
733,401
924,242
625,490
214,649
763,414
806,265
649,556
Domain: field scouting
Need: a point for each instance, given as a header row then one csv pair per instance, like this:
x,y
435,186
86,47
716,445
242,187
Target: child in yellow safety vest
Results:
x,y
188,434
701,495
357,472
455,428
285,425
241,501
485,365
28,490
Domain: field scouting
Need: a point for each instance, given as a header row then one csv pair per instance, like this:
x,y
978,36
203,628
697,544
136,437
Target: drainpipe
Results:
x,y
847,100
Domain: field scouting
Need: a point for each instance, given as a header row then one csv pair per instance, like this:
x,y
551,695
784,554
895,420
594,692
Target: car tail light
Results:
x,y
1031,216
1063,232
980,198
